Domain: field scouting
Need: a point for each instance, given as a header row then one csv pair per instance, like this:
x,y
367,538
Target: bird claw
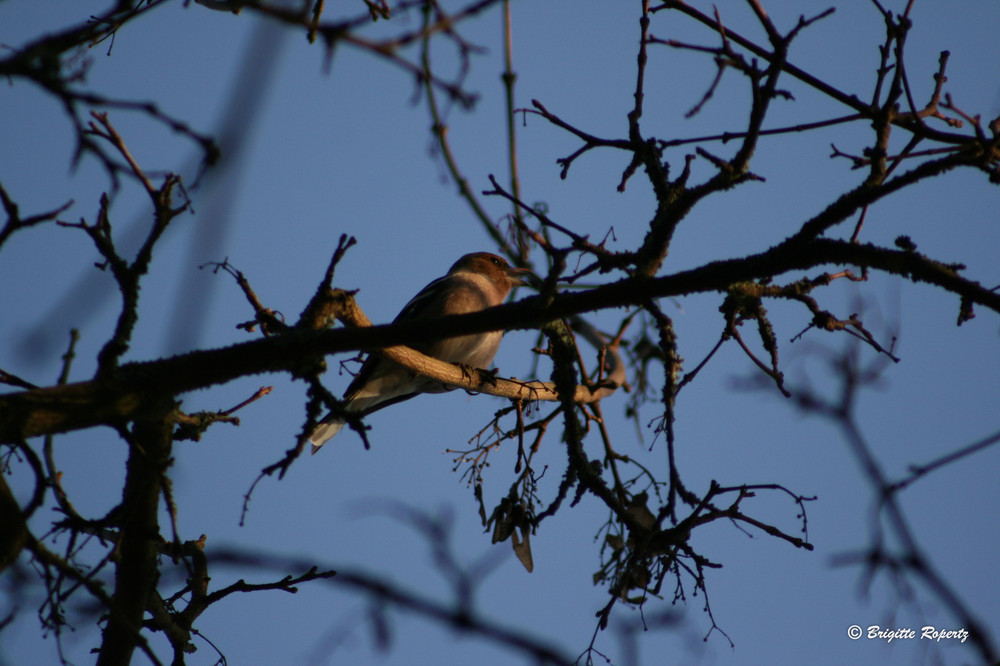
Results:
x,y
469,372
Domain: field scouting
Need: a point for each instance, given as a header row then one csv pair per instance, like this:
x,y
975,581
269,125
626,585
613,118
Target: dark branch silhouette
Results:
x,y
132,571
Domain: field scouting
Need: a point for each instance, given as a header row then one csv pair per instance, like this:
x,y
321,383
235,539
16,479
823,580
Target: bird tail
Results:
x,y
330,425
325,431
374,395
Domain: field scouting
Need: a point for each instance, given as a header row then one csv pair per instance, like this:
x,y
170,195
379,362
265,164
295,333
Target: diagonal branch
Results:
x,y
109,400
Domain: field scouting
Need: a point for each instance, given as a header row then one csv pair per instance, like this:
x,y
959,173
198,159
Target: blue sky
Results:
x,y
348,151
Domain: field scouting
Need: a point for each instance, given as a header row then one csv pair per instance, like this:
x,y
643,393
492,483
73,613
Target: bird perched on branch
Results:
x,y
475,282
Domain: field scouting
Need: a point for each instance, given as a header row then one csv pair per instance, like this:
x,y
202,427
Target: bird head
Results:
x,y
495,268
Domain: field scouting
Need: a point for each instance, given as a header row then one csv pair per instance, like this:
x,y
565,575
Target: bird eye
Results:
x,y
497,260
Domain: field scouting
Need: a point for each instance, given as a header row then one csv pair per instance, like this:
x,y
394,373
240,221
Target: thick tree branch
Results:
x,y
117,399
139,545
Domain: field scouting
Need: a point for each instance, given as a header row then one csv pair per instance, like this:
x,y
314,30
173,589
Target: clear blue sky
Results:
x,y
346,151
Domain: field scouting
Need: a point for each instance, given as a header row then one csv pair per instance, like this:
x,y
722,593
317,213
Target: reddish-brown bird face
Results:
x,y
494,267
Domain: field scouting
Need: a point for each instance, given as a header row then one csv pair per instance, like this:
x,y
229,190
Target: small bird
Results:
x,y
475,282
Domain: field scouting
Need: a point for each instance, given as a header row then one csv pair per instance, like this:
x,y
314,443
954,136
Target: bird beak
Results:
x,y
520,276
